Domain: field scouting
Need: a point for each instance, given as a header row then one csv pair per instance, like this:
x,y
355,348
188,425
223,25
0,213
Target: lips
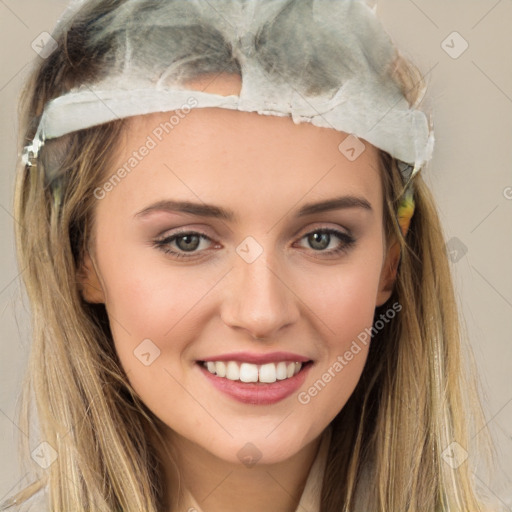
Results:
x,y
256,378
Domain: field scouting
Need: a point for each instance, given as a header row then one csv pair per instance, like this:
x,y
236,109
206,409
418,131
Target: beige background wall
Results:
x,y
470,97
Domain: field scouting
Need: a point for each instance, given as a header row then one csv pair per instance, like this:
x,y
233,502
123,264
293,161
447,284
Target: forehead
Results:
x,y
219,151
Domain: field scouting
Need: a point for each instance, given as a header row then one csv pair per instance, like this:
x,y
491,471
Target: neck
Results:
x,y
220,486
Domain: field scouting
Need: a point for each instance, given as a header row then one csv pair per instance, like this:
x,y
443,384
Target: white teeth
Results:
x,y
281,371
220,369
248,372
232,371
268,373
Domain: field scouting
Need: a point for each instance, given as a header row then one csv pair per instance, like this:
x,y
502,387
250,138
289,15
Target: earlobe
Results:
x,y
388,274
90,285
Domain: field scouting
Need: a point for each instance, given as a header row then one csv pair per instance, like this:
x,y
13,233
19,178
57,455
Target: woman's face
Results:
x,y
209,248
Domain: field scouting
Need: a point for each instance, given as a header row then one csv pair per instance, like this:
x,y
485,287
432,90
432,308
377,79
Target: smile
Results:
x,y
261,382
249,372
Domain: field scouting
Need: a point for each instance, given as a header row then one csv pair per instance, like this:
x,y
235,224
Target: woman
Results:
x,y
234,309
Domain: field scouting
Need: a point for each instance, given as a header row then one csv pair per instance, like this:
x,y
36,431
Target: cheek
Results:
x,y
344,306
342,298
145,303
153,318
346,301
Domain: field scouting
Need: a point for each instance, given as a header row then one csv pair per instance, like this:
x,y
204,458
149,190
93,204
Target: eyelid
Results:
x,y
322,226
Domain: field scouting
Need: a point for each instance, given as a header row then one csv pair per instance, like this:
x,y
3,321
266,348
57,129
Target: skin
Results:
x,y
295,298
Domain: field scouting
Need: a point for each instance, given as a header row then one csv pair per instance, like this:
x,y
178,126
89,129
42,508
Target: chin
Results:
x,y
263,447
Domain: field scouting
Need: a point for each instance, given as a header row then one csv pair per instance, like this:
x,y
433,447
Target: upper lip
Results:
x,y
251,357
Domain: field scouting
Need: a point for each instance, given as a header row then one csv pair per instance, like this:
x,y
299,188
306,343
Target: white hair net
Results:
x,y
327,62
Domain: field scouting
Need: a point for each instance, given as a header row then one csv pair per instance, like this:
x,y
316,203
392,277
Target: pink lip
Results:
x,y
251,357
257,393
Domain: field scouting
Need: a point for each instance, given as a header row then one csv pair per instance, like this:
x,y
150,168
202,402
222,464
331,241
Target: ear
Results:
x,y
90,285
388,274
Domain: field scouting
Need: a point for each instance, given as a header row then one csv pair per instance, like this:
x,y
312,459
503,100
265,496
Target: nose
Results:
x,y
258,299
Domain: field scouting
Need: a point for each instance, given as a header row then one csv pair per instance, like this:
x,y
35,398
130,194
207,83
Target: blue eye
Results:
x,y
186,244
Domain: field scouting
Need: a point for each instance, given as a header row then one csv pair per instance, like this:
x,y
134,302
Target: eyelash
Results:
x,y
163,244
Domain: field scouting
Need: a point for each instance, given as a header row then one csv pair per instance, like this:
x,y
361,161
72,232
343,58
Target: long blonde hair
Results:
x,y
416,396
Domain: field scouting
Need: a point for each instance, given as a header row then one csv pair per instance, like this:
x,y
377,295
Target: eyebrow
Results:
x,y
209,210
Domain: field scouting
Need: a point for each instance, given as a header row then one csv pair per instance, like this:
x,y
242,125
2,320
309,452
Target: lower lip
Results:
x,y
257,393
